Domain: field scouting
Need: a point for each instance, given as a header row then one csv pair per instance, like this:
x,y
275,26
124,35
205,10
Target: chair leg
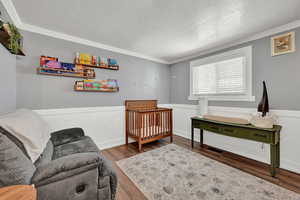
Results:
x,y
171,139
140,147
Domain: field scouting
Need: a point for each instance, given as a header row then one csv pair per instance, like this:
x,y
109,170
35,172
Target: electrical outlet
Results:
x,y
262,147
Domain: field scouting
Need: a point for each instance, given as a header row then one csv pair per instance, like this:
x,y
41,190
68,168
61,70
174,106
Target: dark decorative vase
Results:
x,y
263,106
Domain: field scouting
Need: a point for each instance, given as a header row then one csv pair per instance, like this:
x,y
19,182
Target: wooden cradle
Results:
x,y
145,122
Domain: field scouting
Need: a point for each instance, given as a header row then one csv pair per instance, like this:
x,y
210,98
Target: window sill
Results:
x,y
224,98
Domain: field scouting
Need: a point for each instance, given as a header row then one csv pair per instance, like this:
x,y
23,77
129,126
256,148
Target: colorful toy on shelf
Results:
x,y
88,84
79,85
85,59
109,85
77,58
112,83
53,64
45,59
89,72
96,61
103,62
112,63
68,66
79,68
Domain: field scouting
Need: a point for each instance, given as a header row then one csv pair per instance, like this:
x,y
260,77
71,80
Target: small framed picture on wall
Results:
x,y
282,44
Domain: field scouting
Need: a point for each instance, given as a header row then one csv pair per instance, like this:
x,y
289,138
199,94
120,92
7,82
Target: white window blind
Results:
x,y
222,77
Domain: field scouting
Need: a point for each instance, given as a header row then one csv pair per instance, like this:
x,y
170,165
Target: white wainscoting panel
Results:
x,y
290,138
106,126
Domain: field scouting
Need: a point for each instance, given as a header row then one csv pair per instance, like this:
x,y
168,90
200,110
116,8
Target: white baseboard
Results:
x,y
110,143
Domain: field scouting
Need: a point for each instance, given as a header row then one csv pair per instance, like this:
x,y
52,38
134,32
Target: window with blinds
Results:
x,y
219,78
225,76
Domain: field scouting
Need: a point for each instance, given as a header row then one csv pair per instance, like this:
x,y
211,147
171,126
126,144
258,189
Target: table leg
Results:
x,y
201,138
192,139
273,159
278,155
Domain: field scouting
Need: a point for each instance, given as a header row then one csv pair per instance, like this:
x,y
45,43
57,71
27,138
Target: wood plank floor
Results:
x,y
128,191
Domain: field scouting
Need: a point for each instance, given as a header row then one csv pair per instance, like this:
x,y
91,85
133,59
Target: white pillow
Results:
x,y
29,128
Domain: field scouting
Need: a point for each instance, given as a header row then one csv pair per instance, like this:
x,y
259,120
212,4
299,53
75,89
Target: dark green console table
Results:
x,y
269,136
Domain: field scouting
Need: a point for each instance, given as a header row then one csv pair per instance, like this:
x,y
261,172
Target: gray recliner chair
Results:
x,y
70,168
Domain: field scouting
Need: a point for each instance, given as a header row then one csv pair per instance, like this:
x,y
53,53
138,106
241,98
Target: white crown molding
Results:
x,y
276,30
11,10
71,38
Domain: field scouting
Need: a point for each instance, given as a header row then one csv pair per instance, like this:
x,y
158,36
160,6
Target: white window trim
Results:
x,y
245,51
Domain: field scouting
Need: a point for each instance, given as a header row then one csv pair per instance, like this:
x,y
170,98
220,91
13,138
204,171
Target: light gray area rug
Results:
x,y
172,173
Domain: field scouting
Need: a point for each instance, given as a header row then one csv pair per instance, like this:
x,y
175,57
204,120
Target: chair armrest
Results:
x,y
66,135
107,170
65,167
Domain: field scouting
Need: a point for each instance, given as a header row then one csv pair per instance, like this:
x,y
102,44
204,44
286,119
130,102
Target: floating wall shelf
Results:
x,y
89,90
100,67
109,85
4,40
66,73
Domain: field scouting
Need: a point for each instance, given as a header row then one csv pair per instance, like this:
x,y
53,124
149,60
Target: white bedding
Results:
x,y
29,128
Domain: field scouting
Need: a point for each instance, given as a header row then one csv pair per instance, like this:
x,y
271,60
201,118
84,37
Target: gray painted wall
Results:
x,y
7,81
7,75
282,74
138,78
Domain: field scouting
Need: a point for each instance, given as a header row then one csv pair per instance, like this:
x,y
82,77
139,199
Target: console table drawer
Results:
x,y
211,127
229,131
251,134
244,133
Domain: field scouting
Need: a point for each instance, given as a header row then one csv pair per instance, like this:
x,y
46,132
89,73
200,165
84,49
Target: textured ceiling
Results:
x,y
164,29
